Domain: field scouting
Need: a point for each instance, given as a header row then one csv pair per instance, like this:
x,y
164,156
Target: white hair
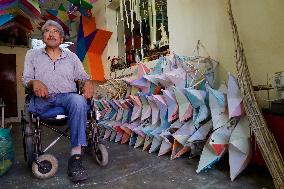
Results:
x,y
53,23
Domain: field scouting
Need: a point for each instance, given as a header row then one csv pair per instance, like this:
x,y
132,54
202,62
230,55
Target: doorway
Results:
x,y
8,84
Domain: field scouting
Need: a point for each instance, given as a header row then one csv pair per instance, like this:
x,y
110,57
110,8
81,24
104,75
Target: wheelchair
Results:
x,y
45,165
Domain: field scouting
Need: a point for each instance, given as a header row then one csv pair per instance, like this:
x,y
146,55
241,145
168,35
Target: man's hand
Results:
x,y
39,88
88,89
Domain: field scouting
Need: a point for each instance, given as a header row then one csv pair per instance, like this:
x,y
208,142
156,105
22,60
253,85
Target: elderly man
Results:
x,y
52,73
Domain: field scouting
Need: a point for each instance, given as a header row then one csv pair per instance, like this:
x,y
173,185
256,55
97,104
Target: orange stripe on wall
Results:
x,y
89,25
100,41
96,67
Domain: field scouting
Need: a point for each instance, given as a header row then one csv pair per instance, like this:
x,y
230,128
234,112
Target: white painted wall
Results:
x,y
106,20
112,47
260,24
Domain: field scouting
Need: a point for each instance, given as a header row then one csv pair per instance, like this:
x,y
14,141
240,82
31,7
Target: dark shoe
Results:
x,y
76,171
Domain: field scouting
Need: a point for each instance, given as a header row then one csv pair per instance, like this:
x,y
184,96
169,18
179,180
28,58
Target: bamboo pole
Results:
x,y
264,137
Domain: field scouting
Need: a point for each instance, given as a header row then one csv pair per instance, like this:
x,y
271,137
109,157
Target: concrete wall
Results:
x,y
20,57
260,24
106,20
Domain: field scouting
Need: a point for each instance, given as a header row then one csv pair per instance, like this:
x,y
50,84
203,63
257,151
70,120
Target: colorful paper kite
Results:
x,y
240,149
234,98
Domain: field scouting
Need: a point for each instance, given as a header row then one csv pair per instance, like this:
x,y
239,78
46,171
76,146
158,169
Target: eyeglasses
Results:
x,y
54,31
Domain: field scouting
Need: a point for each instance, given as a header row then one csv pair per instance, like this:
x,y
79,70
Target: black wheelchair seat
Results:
x,y
55,116
56,112
53,113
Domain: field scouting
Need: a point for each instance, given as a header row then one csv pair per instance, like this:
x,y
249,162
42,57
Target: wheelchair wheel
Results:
x,y
47,167
29,150
28,145
101,155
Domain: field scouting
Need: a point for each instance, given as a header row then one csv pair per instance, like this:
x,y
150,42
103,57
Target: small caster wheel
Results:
x,y
46,167
101,155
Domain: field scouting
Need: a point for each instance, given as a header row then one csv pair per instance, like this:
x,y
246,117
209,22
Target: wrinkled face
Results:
x,y
52,37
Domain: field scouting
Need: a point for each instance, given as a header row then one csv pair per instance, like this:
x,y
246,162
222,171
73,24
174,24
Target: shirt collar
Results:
x,y
63,52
